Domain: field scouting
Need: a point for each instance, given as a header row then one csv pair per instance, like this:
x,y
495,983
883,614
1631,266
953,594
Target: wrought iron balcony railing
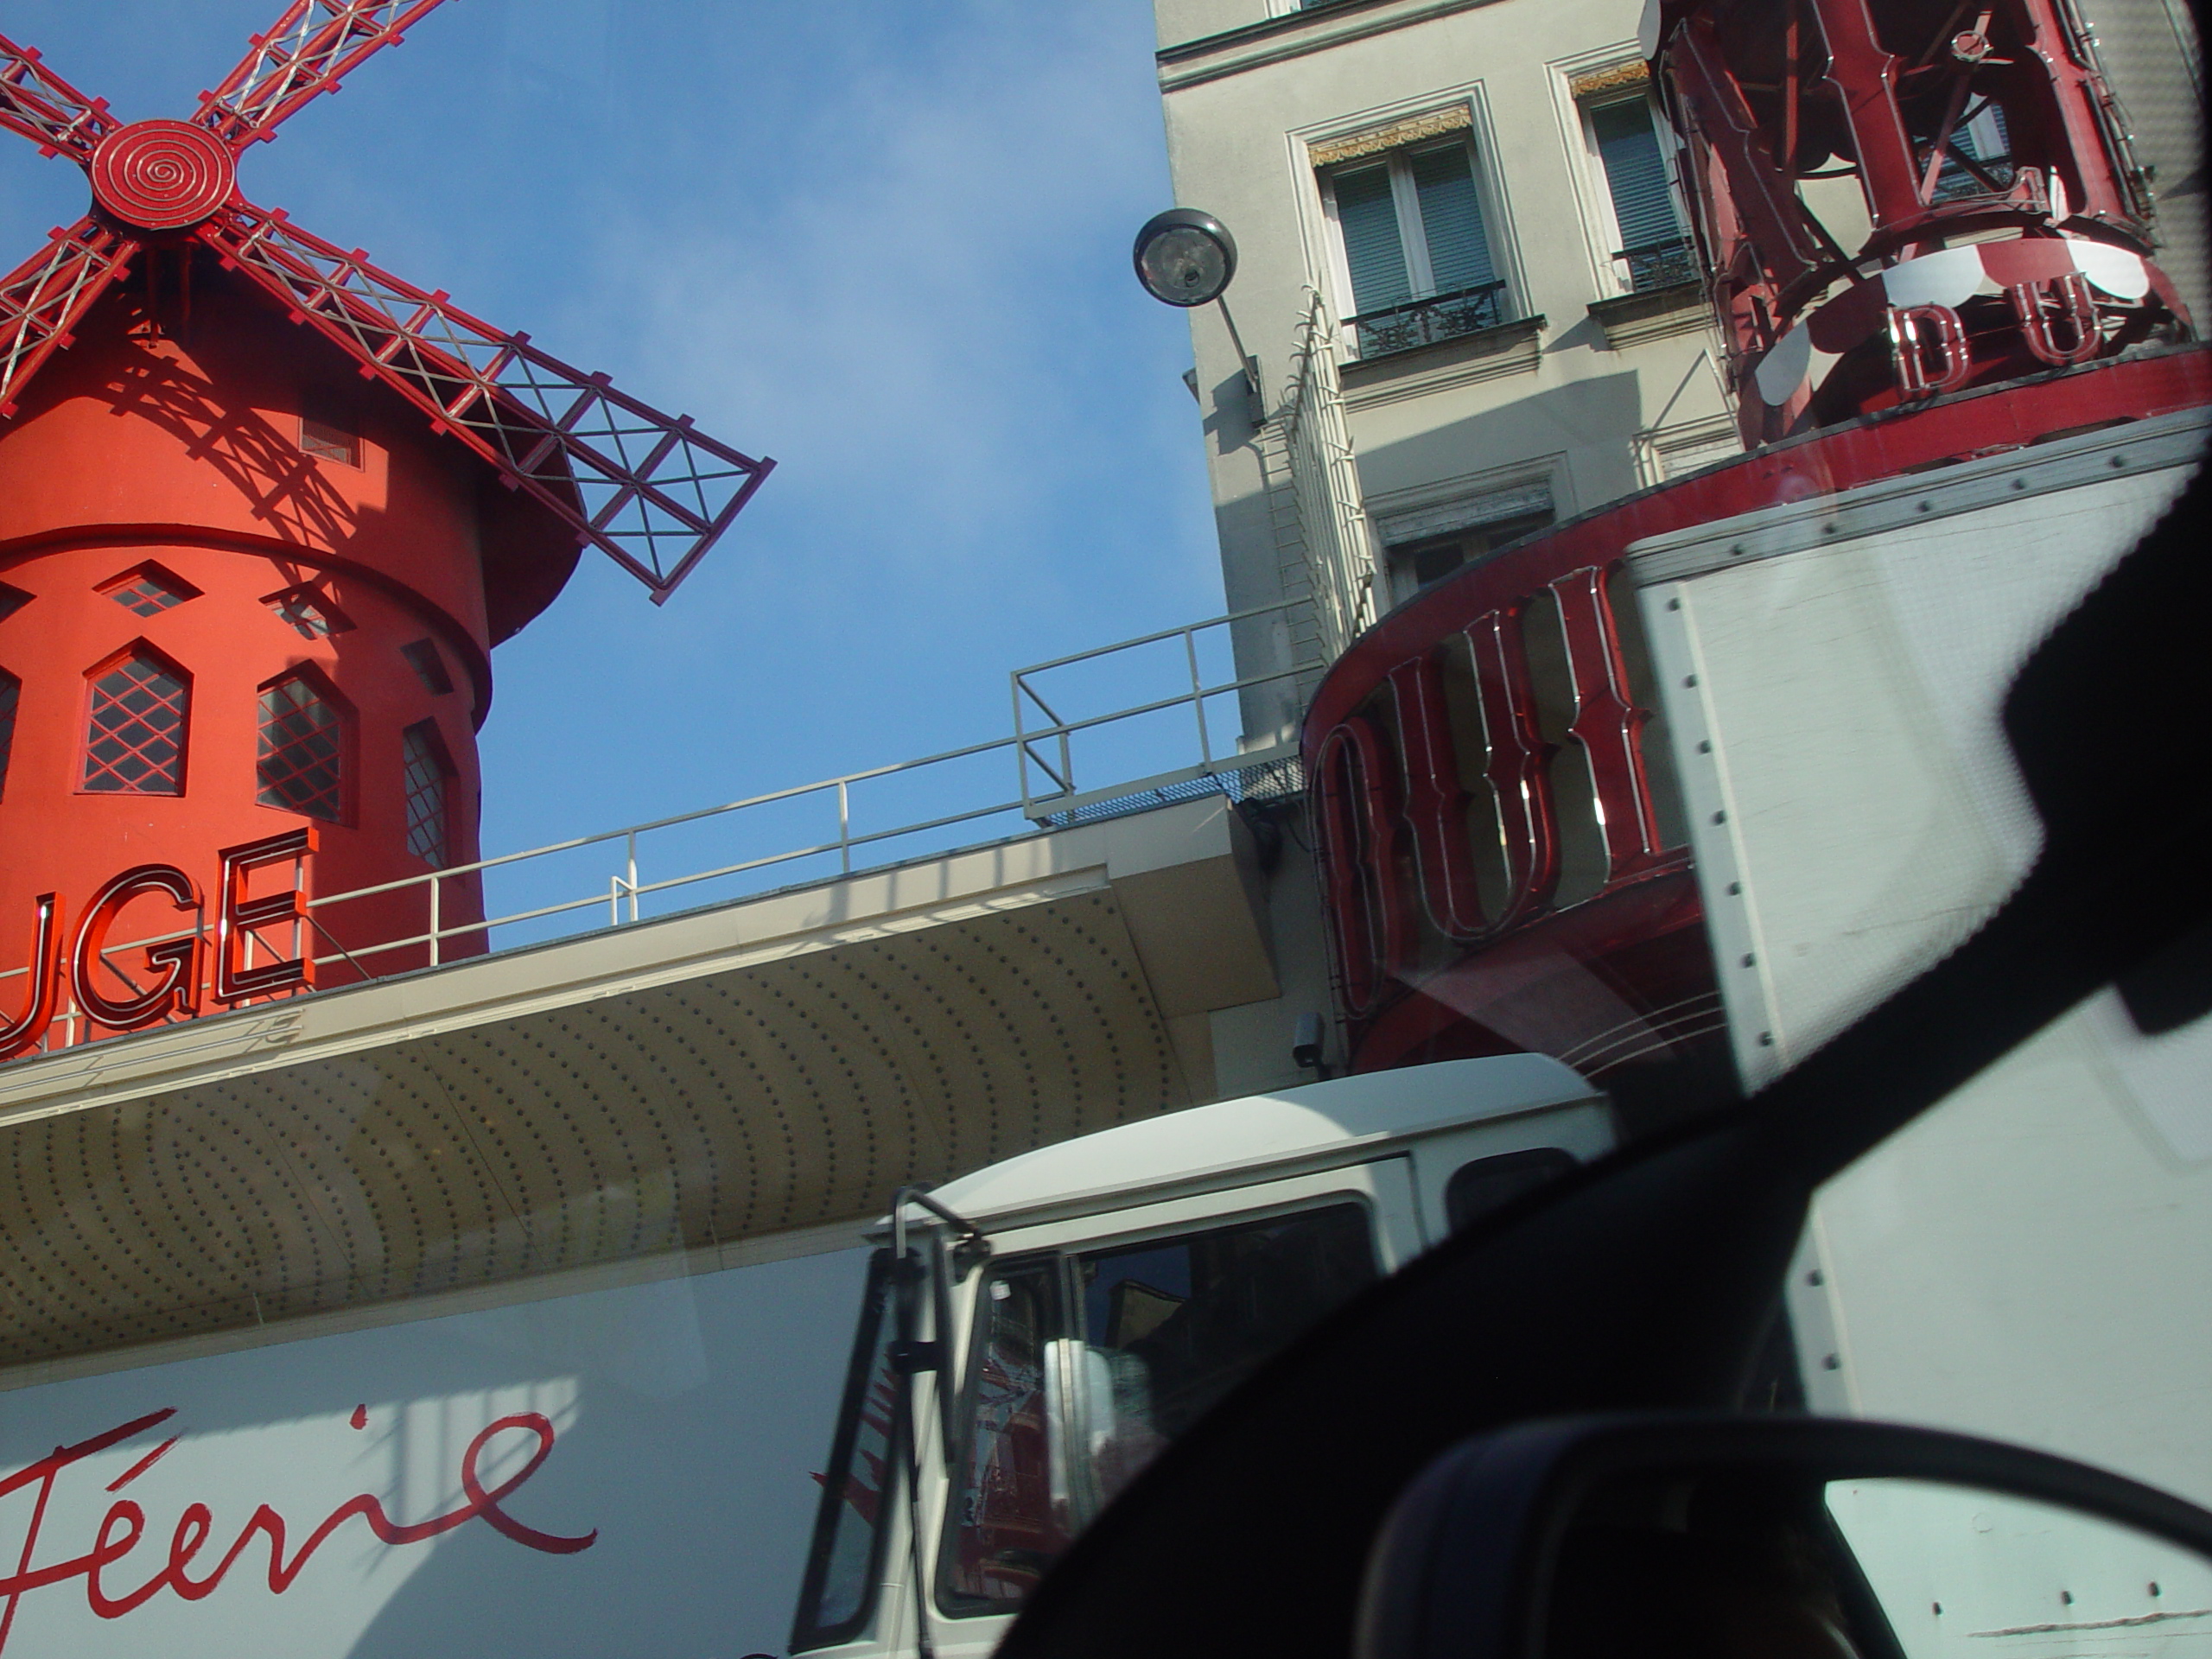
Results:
x,y
1425,322
1659,265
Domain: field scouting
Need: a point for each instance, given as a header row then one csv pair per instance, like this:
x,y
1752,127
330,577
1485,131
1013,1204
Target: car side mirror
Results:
x,y
1775,1538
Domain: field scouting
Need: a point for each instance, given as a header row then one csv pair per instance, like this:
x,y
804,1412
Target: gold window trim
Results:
x,y
1613,77
1395,135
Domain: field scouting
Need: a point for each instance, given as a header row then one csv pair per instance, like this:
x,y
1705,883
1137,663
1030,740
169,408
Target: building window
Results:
x,y
308,612
148,589
429,775
1653,250
430,667
134,742
1424,544
330,429
299,764
11,600
1410,227
11,694
1416,565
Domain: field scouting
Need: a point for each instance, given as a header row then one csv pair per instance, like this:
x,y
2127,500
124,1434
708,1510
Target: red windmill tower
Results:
x,y
264,509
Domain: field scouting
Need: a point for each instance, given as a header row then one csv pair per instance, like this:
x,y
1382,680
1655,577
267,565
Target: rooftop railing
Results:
x,y
1051,773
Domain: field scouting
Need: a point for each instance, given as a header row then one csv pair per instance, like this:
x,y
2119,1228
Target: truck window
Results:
x,y
1009,1514
1485,1184
844,1564
1087,1363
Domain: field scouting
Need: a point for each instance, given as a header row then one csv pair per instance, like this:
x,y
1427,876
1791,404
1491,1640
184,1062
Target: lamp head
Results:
x,y
1184,257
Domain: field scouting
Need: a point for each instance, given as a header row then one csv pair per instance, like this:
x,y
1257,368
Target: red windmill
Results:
x,y
259,527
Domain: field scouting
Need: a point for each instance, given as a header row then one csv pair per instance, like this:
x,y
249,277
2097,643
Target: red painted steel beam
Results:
x,y
648,489
306,52
42,299
46,109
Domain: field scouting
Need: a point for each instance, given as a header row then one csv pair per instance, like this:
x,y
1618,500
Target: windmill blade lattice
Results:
x,y
648,489
313,46
42,298
46,109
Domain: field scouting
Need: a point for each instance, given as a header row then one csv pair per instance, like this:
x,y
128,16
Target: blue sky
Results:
x,y
886,243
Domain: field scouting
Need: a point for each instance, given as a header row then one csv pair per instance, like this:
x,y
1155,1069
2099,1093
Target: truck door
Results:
x,y
1093,1344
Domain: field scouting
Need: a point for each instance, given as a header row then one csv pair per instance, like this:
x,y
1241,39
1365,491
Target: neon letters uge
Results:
x,y
174,964
123,1527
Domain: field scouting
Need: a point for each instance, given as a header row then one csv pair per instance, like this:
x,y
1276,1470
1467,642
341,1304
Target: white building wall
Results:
x,y
1563,410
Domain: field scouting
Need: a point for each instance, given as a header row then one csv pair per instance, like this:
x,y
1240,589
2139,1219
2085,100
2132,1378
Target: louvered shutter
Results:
x,y
1452,217
1369,220
1635,173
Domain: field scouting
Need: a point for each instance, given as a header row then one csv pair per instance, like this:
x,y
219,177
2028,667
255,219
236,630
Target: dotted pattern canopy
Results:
x,y
786,1095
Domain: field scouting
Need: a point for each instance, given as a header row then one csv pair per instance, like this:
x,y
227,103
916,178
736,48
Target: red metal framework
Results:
x,y
648,489
1974,267
1440,789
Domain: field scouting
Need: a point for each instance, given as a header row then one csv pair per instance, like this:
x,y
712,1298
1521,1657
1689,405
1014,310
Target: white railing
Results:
x,y
1056,765
967,810
1340,556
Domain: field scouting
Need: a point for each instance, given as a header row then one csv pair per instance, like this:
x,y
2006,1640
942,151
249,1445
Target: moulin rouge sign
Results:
x,y
119,1577
176,965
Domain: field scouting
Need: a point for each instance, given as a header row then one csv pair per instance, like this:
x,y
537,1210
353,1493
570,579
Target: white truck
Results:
x,y
1062,1315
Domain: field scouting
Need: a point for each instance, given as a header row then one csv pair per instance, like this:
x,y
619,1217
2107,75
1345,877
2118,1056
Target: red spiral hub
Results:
x,y
162,175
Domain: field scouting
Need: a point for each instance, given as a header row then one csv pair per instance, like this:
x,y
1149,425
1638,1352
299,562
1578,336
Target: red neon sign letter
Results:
x,y
42,981
234,980
177,961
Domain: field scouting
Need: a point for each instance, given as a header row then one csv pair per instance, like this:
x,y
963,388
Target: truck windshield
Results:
x,y
1085,1363
842,1568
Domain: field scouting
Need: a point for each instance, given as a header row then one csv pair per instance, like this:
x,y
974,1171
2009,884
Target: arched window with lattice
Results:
x,y
300,752
427,769
11,696
137,712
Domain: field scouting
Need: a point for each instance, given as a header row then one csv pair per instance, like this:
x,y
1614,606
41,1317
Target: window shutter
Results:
x,y
1636,172
1458,252
1372,249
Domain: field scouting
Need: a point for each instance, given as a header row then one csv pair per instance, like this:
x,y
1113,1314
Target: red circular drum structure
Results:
x,y
1995,302
162,175
264,509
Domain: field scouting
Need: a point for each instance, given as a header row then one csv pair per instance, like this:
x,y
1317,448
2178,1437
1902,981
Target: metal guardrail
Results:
x,y
623,891
1059,769
1425,322
1659,265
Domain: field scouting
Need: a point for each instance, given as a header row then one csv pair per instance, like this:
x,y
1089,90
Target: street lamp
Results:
x,y
1185,258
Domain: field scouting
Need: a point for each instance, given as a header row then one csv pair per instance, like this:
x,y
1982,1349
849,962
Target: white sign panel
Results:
x,y
624,1472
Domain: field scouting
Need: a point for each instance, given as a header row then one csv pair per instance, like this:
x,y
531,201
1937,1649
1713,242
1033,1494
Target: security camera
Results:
x,y
1305,1046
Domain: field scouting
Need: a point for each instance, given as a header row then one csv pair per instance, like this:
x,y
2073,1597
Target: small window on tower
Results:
x,y
430,667
428,773
135,729
11,600
11,693
308,612
301,757
330,430
148,589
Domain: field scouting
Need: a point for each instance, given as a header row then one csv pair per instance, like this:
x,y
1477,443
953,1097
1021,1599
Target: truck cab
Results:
x,y
1031,1334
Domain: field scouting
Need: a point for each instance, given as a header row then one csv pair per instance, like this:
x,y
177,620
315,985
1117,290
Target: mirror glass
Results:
x,y
1768,1564
1961,1572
